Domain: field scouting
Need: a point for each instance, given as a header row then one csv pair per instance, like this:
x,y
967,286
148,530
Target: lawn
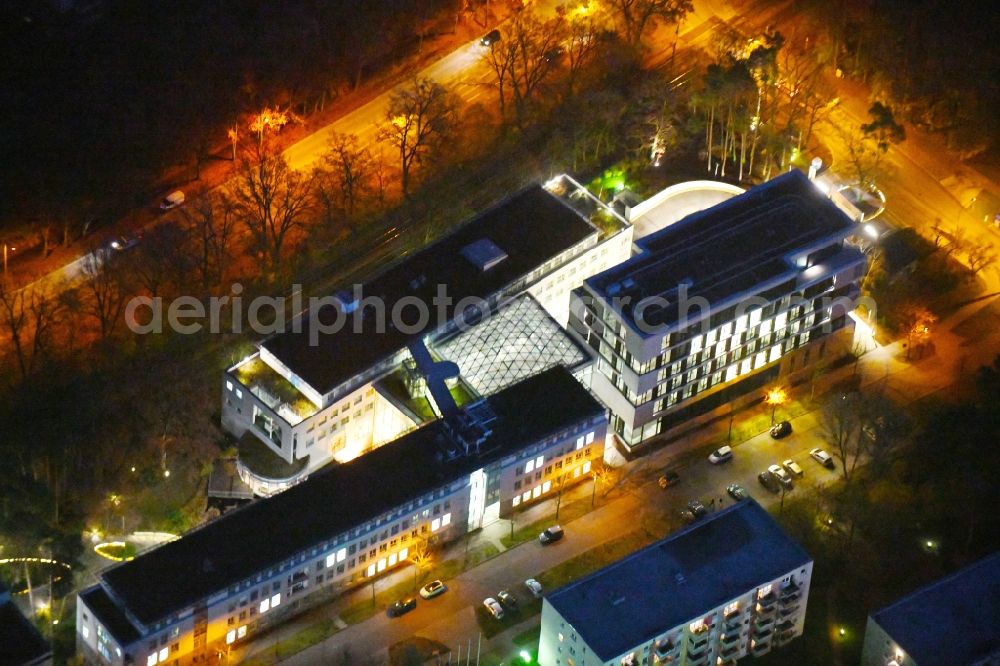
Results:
x,y
415,650
298,642
567,512
593,559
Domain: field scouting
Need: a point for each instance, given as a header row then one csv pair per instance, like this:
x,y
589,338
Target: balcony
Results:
x,y
263,470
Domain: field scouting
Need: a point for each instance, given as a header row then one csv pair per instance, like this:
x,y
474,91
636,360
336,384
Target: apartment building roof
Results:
x,y
477,261
267,532
678,579
954,620
723,251
109,614
20,642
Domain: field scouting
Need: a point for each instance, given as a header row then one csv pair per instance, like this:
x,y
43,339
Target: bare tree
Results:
x,y
212,219
634,17
841,420
419,119
980,256
272,199
104,290
346,182
28,318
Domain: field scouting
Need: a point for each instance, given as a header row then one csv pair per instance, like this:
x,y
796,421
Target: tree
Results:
x,y
634,17
840,425
419,120
28,318
212,219
105,289
272,199
883,127
421,556
346,181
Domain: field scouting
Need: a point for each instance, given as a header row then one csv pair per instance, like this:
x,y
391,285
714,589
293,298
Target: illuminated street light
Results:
x,y
775,397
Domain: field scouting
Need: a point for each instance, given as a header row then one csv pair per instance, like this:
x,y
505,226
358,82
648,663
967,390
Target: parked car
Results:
x,y
433,589
490,38
687,516
402,607
493,607
792,467
507,599
172,200
697,508
822,457
779,430
534,587
668,478
769,481
737,492
783,477
550,535
721,455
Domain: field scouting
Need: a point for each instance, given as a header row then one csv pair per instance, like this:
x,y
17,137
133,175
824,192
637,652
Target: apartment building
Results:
x,y
311,397
732,585
20,642
714,308
954,621
186,601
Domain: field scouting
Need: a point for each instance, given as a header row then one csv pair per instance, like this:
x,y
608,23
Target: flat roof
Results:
x,y
678,579
264,533
109,614
729,248
954,620
20,641
482,257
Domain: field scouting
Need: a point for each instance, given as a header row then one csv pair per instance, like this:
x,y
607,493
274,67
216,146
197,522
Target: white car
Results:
x,y
792,467
721,455
822,457
493,607
432,589
534,587
783,477
172,200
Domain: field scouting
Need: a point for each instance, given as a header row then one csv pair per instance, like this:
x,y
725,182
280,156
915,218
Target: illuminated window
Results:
x,y
710,338
331,559
696,344
780,320
775,353
586,467
230,637
516,501
760,360
435,525
86,631
546,486
579,442
239,394
265,606
539,461
164,653
725,330
403,554
536,491
530,467
241,632
731,373
229,385
755,317
381,565
764,591
731,608
741,324
392,559
576,472
765,327
695,627
526,496
151,659
371,570
590,438
446,519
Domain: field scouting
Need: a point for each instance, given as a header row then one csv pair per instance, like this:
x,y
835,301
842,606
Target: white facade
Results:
x,y
752,623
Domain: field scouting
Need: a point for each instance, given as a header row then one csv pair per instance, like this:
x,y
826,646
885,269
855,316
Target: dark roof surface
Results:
x,y
338,498
678,578
530,227
109,614
20,642
728,248
955,620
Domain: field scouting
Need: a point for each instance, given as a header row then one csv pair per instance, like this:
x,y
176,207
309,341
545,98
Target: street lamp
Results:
x,y
775,397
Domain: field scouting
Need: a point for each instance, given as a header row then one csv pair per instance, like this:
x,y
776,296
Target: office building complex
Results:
x,y
308,396
715,307
733,585
954,621
347,524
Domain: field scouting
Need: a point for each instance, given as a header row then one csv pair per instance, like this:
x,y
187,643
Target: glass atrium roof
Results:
x,y
518,341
